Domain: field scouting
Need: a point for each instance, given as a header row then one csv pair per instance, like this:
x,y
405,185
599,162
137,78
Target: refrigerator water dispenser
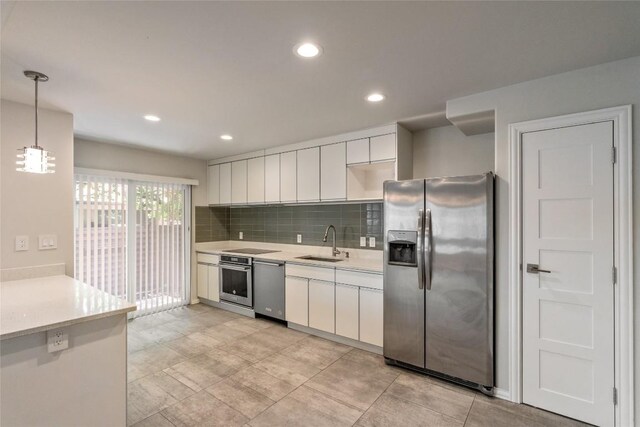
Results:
x,y
402,248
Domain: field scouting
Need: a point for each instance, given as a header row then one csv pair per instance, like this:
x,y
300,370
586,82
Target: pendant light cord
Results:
x,y
36,80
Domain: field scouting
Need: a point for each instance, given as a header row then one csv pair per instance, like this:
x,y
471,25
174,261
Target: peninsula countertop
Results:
x,y
40,304
360,259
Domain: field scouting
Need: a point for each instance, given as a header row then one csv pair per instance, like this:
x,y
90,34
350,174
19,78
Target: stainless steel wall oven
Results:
x,y
236,281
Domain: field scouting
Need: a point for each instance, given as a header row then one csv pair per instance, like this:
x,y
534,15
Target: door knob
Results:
x,y
535,269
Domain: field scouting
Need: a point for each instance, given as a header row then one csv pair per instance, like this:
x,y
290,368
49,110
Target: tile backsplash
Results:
x,y
282,224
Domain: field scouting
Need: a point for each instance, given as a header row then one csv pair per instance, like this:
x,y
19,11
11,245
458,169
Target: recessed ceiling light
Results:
x,y
307,50
375,97
226,137
152,118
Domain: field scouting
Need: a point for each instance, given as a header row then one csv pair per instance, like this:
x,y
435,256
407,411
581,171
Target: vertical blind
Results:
x,y
131,240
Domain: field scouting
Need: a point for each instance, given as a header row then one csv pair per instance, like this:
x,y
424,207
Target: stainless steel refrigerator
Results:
x,y
438,277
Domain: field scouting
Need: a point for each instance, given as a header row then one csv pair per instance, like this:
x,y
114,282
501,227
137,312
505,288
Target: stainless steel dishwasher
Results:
x,y
268,288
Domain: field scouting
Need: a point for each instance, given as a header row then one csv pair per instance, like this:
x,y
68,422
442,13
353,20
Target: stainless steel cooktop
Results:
x,y
250,251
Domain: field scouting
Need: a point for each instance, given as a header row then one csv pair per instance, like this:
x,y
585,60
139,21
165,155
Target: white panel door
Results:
x,y
333,172
202,278
213,282
358,151
272,178
239,182
255,180
297,300
213,185
383,147
347,311
308,176
288,175
225,184
322,305
371,316
568,323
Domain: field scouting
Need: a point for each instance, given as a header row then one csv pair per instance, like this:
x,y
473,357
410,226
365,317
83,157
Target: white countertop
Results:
x,y
359,259
35,305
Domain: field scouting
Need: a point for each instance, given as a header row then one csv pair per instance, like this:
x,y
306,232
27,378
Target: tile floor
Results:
x,y
202,366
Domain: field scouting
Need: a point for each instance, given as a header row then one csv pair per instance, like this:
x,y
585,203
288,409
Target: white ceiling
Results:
x,y
208,68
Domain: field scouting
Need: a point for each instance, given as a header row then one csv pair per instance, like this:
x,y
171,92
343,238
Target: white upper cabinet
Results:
x,y
239,182
358,151
333,172
288,177
255,180
225,184
272,178
213,185
383,147
308,175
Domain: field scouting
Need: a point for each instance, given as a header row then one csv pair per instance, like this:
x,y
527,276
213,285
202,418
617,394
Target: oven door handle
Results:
x,y
233,267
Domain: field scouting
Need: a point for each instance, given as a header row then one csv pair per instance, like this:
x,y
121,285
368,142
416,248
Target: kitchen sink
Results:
x,y
319,258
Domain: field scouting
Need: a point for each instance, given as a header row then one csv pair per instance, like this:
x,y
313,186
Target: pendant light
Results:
x,y
35,159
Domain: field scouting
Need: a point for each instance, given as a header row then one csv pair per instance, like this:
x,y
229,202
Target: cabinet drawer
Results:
x,y
357,278
318,273
207,258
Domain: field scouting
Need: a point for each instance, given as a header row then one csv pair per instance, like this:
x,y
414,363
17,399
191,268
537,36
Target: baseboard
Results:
x,y
501,393
337,338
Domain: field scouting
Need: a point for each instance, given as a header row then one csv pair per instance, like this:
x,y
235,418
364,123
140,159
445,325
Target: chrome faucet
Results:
x,y
334,251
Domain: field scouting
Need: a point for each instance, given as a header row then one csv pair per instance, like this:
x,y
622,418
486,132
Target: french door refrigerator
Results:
x,y
438,277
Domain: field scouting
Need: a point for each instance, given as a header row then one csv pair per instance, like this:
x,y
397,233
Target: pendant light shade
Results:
x,y
35,159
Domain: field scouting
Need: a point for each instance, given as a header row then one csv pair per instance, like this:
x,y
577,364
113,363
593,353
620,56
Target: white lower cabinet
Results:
x,y
371,316
297,300
322,305
208,278
347,322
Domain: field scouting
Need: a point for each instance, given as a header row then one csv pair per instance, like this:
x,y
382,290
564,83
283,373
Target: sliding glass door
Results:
x,y
132,240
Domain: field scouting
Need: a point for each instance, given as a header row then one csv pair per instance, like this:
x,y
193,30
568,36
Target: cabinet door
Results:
x,y
297,300
288,166
272,178
308,176
371,316
239,182
213,185
347,311
358,151
255,180
213,282
383,147
321,305
203,280
333,172
225,184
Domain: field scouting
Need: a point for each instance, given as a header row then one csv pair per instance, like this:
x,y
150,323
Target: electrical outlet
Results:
x,y
241,235
299,238
363,242
22,243
57,339
47,242
372,242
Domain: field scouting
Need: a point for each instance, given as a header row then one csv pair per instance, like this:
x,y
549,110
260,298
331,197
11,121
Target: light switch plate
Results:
x,y
22,243
241,235
299,238
372,242
47,242
57,339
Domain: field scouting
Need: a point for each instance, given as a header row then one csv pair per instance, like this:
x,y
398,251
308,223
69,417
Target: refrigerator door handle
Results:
x,y
419,249
428,248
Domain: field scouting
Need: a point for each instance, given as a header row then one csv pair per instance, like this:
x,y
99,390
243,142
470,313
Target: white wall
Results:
x,y
98,155
607,85
446,151
33,204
